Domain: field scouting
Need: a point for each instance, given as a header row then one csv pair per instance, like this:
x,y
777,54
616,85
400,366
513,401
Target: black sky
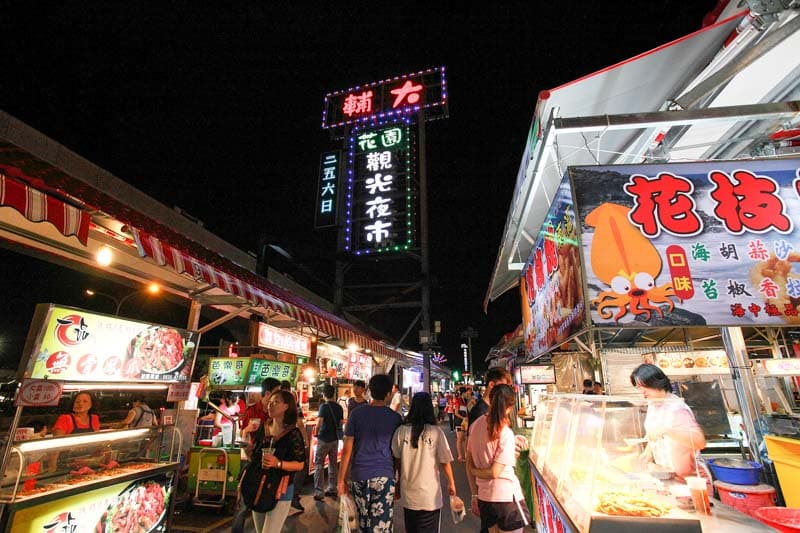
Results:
x,y
217,109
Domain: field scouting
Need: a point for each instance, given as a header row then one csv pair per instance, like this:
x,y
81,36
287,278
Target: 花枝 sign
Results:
x,y
713,243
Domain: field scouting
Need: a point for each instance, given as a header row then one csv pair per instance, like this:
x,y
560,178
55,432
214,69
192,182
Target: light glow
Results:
x,y
104,256
77,440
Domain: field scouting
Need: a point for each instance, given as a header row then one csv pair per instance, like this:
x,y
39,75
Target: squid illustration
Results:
x,y
628,263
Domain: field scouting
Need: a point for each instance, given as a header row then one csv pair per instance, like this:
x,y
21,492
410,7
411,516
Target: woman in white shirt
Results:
x,y
422,451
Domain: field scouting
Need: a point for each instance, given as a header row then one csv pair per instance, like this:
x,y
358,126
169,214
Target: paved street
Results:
x,y
321,516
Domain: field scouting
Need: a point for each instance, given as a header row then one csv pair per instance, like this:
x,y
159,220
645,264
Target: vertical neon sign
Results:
x,y
378,206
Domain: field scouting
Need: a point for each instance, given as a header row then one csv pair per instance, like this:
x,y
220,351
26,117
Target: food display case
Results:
x,y
94,482
584,452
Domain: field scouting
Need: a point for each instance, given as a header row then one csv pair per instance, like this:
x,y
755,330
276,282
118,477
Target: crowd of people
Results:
x,y
386,457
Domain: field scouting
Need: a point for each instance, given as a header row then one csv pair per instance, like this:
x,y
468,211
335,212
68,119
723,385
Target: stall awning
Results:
x,y
111,212
644,83
37,206
255,289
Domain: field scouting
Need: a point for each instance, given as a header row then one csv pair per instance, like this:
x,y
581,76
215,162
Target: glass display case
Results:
x,y
85,480
586,450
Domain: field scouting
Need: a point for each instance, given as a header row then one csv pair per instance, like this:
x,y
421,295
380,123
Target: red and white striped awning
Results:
x,y
256,290
37,206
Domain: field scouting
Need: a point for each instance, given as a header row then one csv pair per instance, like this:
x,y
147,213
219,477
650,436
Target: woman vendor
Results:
x,y
82,418
673,434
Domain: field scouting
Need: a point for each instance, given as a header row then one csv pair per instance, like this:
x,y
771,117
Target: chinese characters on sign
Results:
x,y
260,369
76,345
552,300
327,189
282,340
399,95
691,243
38,393
379,214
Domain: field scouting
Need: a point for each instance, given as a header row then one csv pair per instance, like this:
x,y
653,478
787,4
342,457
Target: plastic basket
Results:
x,y
785,519
746,499
735,475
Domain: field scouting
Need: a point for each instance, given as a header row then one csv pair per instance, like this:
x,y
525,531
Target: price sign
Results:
x,y
38,393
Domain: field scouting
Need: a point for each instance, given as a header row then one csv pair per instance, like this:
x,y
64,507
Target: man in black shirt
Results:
x,y
494,376
329,424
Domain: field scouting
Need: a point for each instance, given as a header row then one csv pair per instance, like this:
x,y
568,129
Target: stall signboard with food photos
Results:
x,y
76,345
551,286
691,244
111,508
228,371
691,363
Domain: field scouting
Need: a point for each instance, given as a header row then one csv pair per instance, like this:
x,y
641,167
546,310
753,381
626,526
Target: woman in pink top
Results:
x,y
492,458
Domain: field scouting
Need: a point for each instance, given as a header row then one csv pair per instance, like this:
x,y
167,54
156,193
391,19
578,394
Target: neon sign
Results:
x,y
392,97
327,189
379,214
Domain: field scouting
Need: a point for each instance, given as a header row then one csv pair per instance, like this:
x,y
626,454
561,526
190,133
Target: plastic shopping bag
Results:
x,y
348,519
457,509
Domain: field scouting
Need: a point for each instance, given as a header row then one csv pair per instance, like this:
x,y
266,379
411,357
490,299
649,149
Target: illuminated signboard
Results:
x,y
76,345
535,375
379,209
282,340
691,244
327,189
395,96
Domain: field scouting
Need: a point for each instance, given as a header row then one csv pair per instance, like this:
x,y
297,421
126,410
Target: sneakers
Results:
x,y
319,496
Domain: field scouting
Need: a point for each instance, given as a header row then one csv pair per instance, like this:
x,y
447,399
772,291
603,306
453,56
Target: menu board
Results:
x,y
692,363
76,345
781,367
111,508
359,367
537,374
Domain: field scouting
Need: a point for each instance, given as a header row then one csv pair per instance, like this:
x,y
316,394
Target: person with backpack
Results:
x,y
329,431
140,414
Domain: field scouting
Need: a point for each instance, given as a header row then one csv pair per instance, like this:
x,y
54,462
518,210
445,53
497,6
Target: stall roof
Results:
x,y
88,208
719,65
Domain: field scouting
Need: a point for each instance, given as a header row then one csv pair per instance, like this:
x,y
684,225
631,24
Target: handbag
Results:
x,y
259,486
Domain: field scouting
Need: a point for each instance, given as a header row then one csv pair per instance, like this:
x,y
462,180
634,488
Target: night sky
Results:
x,y
217,110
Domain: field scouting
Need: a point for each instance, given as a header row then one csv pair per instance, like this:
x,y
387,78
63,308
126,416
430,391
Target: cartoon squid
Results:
x,y
628,263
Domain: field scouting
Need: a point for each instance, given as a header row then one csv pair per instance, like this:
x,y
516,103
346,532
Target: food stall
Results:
x,y
596,275
92,481
532,381
214,470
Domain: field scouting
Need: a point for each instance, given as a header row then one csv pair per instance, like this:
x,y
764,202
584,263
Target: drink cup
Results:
x,y
266,452
699,490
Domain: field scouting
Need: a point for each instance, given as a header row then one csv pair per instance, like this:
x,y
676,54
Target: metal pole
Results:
x,y
744,386
425,260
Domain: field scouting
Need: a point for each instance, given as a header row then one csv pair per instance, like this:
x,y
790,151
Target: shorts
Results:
x,y
508,516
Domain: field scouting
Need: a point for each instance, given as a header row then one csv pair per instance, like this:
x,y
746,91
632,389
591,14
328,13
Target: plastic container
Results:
x,y
785,454
204,442
745,498
783,519
736,475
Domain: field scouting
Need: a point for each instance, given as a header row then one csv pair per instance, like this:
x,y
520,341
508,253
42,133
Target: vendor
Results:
x,y
140,415
673,434
82,418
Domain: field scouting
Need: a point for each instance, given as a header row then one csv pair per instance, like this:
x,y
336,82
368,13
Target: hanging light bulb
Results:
x,y
104,256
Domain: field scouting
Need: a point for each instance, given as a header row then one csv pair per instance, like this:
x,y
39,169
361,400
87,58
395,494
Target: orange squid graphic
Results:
x,y
628,263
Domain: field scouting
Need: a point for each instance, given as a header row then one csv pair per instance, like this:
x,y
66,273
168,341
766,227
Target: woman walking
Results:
x,y
421,450
491,458
282,447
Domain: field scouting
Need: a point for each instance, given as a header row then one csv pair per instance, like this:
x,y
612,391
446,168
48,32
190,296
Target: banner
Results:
x,y
112,508
691,244
75,345
552,297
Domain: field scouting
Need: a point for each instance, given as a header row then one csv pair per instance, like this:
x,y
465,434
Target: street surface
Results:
x,y
321,516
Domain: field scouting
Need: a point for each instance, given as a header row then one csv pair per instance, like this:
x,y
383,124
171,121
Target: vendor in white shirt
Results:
x,y
673,434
